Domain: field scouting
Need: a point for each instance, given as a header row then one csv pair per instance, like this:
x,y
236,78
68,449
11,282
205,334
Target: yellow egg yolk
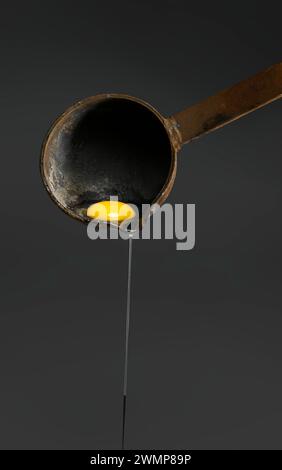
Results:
x,y
110,211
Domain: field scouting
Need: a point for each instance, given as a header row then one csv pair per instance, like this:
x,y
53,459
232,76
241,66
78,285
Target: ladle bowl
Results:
x,y
108,145
117,145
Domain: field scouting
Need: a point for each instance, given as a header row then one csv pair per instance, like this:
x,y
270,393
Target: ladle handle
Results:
x,y
229,104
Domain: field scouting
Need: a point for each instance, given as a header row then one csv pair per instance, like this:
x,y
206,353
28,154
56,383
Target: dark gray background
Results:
x,y
205,345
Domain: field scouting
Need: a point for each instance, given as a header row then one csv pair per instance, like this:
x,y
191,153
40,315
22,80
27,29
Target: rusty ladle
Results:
x,y
117,145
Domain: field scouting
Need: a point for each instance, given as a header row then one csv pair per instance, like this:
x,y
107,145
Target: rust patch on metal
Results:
x,y
230,104
174,133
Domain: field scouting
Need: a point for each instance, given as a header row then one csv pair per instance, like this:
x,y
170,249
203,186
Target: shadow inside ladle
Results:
x,y
115,147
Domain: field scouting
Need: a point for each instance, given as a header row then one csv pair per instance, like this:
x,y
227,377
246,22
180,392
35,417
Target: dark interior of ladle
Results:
x,y
114,147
